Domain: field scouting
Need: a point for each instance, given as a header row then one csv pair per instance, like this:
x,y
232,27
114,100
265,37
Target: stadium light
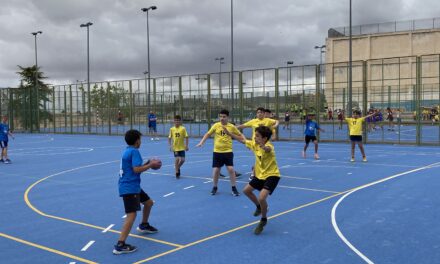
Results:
x,y
36,82
145,10
89,121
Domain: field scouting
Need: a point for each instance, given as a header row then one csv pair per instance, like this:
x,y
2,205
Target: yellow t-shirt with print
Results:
x,y
355,125
178,135
254,123
223,142
265,162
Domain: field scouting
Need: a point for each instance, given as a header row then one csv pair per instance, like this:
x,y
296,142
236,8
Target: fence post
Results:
x,y
54,111
208,112
364,97
317,93
71,109
240,91
417,97
180,96
108,109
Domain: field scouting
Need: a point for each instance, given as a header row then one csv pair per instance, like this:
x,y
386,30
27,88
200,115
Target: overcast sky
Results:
x,y
185,35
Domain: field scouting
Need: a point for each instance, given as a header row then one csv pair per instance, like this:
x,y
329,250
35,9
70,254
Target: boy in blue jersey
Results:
x,y
310,134
4,139
152,123
131,192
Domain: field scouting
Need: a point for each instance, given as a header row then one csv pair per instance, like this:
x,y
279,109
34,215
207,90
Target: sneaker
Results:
x,y
157,138
146,229
316,156
303,154
214,190
222,175
251,177
257,211
234,191
237,174
152,139
178,174
352,159
260,227
123,249
364,159
7,161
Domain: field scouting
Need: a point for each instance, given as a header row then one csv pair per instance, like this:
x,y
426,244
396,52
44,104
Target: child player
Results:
x,y
131,192
177,137
355,128
267,173
4,139
222,154
310,134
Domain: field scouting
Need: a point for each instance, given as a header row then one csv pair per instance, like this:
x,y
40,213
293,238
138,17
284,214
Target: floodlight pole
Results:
x,y
146,9
36,84
290,76
232,59
89,108
350,64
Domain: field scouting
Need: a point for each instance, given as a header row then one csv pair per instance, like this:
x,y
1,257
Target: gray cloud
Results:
x,y
185,35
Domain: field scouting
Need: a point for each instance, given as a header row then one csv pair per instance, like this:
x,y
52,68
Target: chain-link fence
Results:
x,y
404,89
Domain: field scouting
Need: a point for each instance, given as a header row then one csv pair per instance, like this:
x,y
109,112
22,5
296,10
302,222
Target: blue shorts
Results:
x,y
4,144
152,127
179,153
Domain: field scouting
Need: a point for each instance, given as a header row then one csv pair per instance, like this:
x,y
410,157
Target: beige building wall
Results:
x,y
391,66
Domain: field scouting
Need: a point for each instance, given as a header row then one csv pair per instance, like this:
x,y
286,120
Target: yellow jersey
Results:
x,y
355,125
265,162
254,123
223,142
178,135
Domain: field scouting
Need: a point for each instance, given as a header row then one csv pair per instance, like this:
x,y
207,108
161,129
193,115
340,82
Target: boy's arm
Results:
x,y
240,138
265,148
240,127
148,165
186,143
205,137
169,144
277,122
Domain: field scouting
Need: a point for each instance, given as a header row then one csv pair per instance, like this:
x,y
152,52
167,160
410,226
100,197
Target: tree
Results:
x,y
30,98
108,100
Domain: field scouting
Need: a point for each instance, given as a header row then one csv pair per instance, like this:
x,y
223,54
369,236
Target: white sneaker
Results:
x,y
316,156
152,138
157,138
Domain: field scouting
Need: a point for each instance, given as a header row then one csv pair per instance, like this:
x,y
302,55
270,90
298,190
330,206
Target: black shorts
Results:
x,y
132,202
309,138
179,153
356,138
3,144
269,183
220,159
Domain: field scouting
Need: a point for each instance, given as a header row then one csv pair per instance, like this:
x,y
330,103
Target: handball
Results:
x,y
156,163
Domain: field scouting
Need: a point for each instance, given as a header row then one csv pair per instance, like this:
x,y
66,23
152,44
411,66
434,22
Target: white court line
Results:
x,y
168,194
88,245
189,187
207,181
333,214
124,216
72,262
108,228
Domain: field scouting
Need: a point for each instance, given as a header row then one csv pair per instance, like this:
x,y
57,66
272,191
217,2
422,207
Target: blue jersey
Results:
x,y
4,132
152,119
311,127
129,181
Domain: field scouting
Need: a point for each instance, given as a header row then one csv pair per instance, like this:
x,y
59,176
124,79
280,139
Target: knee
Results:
x,y
149,203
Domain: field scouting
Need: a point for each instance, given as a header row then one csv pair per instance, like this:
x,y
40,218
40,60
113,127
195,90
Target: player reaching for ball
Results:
x,y
131,192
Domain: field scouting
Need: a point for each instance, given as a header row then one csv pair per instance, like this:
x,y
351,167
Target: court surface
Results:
x,y
60,204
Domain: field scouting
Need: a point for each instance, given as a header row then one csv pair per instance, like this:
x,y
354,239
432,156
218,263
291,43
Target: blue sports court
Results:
x,y
60,204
